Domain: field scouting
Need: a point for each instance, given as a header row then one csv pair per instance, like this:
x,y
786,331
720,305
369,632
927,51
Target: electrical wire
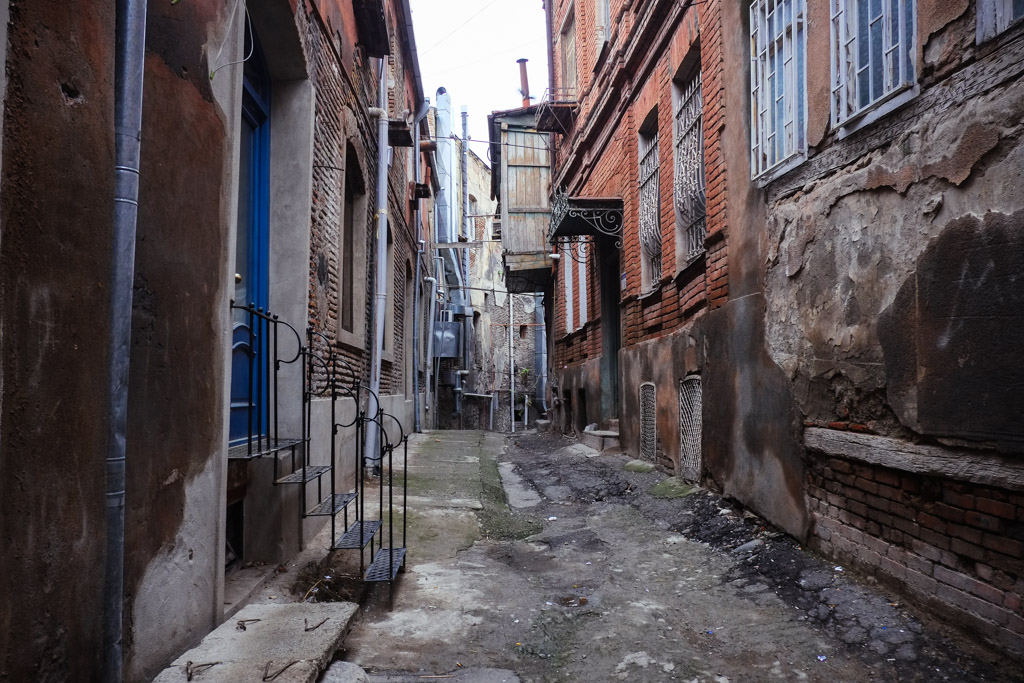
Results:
x,y
252,43
456,29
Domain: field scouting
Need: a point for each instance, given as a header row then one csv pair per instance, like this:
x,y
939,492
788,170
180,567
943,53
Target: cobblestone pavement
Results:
x,y
531,561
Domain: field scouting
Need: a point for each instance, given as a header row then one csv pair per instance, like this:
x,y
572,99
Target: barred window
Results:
x,y
690,183
778,45
872,53
650,203
995,16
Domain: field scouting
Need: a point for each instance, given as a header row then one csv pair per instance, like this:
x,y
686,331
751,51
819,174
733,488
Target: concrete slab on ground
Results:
x,y
519,493
466,675
300,636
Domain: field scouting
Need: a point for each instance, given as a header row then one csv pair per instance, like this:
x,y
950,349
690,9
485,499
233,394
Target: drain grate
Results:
x,y
690,423
648,423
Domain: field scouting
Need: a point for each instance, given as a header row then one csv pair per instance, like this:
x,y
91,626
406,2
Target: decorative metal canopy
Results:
x,y
572,216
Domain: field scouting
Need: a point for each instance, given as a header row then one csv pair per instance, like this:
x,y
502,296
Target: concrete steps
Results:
x,y
296,639
600,439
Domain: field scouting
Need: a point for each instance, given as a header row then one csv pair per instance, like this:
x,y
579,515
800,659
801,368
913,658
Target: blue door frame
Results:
x,y
252,237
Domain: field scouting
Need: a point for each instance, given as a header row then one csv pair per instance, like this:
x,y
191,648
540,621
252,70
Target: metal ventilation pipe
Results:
x,y
130,54
417,307
381,294
524,81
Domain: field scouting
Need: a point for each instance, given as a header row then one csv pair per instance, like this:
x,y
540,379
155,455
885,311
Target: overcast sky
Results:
x,y
471,46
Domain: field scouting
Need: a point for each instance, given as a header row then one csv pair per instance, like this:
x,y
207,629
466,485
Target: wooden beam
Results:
x,y
989,469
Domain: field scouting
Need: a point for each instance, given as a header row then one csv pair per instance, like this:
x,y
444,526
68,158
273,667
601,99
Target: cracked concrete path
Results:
x,y
587,576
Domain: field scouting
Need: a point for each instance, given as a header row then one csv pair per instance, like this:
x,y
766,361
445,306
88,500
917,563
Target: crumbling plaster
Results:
x,y
842,247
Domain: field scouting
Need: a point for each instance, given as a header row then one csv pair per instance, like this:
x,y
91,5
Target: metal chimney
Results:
x,y
524,81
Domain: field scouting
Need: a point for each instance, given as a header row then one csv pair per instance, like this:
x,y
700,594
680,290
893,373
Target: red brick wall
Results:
x,y
957,547
353,85
653,37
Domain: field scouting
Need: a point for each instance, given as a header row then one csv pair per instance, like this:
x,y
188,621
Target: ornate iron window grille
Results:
x,y
650,225
690,427
648,423
690,183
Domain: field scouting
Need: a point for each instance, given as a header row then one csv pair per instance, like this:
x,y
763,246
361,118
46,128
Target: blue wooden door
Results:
x,y
252,242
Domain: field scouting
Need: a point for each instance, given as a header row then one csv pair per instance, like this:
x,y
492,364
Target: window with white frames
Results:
x,y
568,48
602,21
995,16
568,285
872,54
778,48
689,182
650,204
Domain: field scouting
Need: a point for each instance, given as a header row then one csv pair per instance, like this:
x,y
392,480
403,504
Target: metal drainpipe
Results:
x,y
130,50
380,277
424,108
435,363
511,369
540,354
467,295
430,337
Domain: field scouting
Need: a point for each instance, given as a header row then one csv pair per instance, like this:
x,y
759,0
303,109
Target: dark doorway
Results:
x,y
252,237
581,410
611,339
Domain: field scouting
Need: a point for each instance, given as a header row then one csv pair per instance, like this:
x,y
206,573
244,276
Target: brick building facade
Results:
x,y
839,352
258,183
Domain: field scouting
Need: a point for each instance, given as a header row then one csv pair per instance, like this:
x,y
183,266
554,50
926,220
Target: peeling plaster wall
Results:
x,y
665,361
893,276
175,473
894,297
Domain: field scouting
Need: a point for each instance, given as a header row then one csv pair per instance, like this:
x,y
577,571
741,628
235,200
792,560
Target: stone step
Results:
x,y
296,639
600,439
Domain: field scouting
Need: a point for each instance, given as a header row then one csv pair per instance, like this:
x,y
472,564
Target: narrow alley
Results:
x,y
535,559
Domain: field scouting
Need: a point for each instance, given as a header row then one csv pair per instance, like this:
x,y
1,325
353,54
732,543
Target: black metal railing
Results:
x,y
259,337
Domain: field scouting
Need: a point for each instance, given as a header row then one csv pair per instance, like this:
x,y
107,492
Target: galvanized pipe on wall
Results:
x,y
130,53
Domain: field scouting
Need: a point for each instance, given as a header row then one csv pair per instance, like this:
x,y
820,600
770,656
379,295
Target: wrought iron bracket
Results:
x,y
591,219
576,246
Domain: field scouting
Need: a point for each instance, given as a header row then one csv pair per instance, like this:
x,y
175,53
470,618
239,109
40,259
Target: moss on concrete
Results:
x,y
672,487
497,520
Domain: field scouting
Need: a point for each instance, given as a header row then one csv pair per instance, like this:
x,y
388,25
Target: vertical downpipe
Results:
x,y
381,295
511,369
129,63
467,296
417,305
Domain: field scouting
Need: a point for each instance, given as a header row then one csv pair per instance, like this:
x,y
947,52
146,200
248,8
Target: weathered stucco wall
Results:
x,y
751,428
175,487
893,286
56,212
664,361
894,294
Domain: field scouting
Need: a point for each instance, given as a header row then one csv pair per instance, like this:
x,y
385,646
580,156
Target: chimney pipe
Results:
x,y
524,82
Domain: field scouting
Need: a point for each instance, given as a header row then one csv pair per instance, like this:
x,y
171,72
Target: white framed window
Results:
x,y
872,54
995,16
778,92
650,204
689,181
568,284
581,269
602,21
568,49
